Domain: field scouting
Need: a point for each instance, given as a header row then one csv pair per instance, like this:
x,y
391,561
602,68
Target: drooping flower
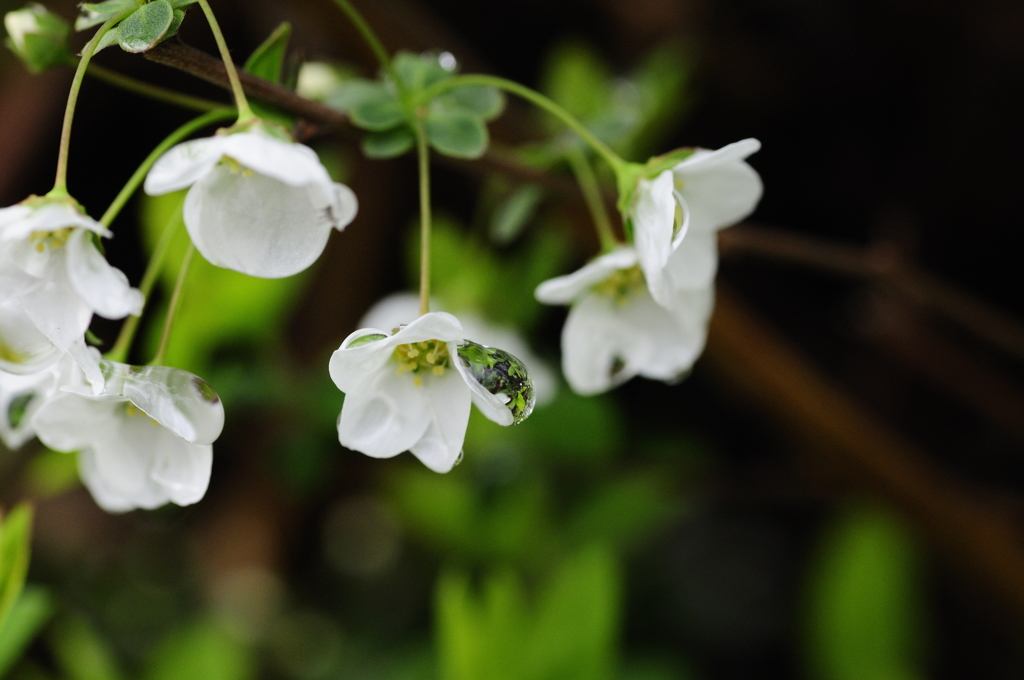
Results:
x,y
52,279
20,398
142,442
411,390
615,330
676,216
397,308
259,204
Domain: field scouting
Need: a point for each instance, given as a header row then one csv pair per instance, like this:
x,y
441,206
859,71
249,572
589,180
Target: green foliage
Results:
x,y
458,133
82,653
219,307
145,27
27,617
576,77
865,617
380,111
51,473
514,212
15,547
38,37
96,13
267,60
201,651
569,632
388,143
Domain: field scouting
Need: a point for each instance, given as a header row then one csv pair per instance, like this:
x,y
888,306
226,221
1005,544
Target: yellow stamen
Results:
x,y
419,358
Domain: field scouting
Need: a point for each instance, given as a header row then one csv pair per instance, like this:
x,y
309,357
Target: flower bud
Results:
x,y
38,37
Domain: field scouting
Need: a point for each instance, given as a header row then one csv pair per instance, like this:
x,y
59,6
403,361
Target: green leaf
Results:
x,y
456,133
82,653
38,37
419,71
267,61
28,616
147,26
389,143
354,91
15,547
111,37
482,100
200,651
578,79
380,110
865,616
179,4
513,213
179,16
96,13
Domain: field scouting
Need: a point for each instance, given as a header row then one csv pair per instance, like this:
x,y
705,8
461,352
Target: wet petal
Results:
x,y
23,347
257,225
591,346
102,287
287,162
447,406
21,396
184,165
433,326
386,416
654,215
499,381
182,469
564,289
55,306
361,356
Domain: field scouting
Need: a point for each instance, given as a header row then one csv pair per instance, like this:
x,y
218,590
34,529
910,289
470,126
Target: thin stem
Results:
x,y
241,103
534,97
172,308
592,195
60,183
376,46
119,352
424,168
140,174
156,92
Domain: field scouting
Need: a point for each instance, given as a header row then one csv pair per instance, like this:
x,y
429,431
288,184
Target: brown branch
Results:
x,y
211,69
773,374
977,316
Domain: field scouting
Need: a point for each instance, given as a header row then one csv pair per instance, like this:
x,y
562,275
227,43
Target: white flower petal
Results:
x,y
293,164
448,403
257,225
386,416
55,307
564,289
653,216
393,310
591,346
182,469
49,217
21,396
719,187
102,287
23,348
345,206
352,367
692,266
11,218
433,326
86,360
663,344
184,165
67,421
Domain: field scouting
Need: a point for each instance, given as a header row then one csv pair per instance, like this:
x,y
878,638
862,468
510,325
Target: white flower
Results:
x,y
615,329
397,308
144,441
411,391
52,279
258,204
676,215
20,398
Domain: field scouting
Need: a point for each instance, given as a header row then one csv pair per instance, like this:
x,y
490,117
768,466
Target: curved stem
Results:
x,y
424,168
156,92
534,97
119,352
376,46
241,103
140,173
592,195
60,183
172,308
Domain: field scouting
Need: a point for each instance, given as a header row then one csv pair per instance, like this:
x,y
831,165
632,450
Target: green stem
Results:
x,y
140,173
60,183
424,168
241,103
592,195
376,46
533,97
172,308
120,350
152,91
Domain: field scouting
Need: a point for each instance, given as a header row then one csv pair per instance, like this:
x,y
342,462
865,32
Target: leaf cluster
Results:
x,y
143,25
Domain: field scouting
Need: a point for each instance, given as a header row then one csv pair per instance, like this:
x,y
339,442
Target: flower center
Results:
x,y
50,239
236,167
429,356
620,285
131,410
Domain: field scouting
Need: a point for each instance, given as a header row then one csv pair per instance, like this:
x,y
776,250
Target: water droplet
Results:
x,y
447,61
366,339
501,374
462,454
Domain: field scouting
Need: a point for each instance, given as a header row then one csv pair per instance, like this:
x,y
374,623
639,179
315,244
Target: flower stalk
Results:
x,y
423,154
172,308
245,113
592,195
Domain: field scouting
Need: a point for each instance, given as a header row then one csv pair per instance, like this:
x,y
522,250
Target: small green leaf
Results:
x,y
15,537
94,14
267,60
179,4
179,16
486,102
146,26
353,92
514,212
380,112
389,143
38,37
419,71
111,37
82,653
457,133
28,616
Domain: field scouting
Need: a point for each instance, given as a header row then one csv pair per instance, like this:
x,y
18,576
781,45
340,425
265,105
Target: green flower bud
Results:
x,y
38,37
